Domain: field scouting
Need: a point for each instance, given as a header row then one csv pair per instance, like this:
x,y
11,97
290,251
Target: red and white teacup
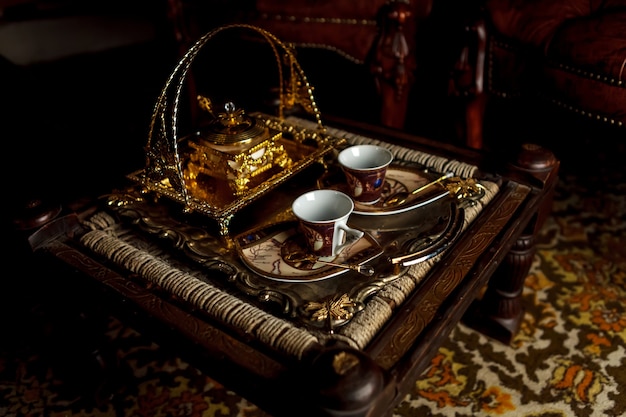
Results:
x,y
323,216
365,168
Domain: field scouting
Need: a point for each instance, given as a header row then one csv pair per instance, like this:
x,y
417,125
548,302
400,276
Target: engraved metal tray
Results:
x,y
393,244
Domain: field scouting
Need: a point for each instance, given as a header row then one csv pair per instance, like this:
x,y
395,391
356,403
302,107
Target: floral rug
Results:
x,y
569,358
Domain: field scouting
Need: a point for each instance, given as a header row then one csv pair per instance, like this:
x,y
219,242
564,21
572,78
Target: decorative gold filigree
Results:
x,y
235,148
333,310
467,189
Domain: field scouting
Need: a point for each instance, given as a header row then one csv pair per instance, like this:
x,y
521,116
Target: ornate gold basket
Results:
x,y
238,157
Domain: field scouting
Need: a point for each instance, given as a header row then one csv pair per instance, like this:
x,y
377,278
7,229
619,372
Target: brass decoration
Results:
x,y
343,362
235,148
333,311
468,189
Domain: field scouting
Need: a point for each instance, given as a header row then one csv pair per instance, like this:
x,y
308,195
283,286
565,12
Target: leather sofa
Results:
x,y
569,53
433,68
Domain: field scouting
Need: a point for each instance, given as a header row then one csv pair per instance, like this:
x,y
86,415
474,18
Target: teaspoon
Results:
x,y
361,269
401,196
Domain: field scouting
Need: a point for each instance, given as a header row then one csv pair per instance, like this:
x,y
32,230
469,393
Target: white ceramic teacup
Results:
x,y
323,216
365,168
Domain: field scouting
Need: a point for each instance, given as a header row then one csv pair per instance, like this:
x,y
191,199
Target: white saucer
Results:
x,y
266,252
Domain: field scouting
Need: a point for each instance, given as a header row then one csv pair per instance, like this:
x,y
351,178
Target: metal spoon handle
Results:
x,y
430,184
361,269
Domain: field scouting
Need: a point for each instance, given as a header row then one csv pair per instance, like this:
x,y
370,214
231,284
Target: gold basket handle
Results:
x,y
163,161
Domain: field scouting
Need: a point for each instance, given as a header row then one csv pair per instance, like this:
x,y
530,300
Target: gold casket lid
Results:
x,y
231,127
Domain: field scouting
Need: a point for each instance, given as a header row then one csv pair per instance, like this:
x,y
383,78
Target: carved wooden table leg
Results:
x,y
498,314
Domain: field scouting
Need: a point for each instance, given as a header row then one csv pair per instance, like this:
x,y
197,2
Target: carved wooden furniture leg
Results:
x,y
500,311
467,83
393,62
474,117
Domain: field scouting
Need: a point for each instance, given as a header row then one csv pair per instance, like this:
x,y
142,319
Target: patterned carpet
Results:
x,y
568,360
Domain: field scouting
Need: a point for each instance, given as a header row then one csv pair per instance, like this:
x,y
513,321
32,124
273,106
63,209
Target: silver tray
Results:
x,y
393,244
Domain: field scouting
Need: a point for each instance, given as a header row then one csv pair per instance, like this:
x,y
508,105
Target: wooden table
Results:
x,y
332,375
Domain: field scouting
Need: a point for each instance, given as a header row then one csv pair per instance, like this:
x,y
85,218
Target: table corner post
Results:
x,y
499,313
